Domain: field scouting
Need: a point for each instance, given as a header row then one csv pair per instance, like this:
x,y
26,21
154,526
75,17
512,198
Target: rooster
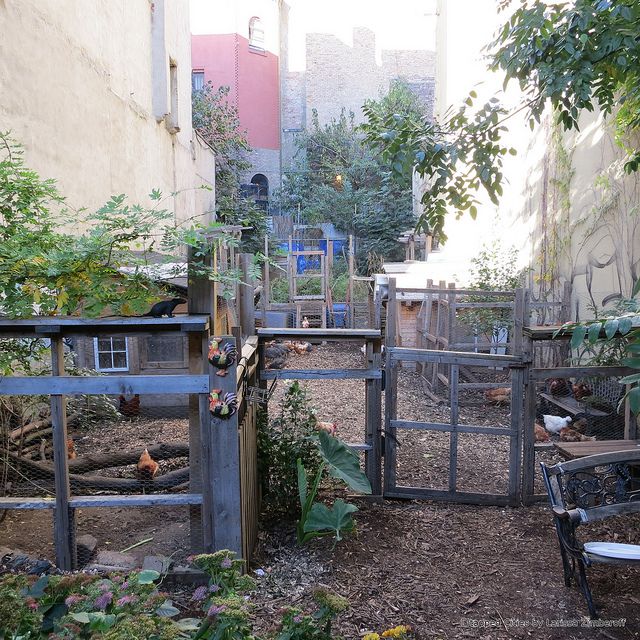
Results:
x,y
147,467
305,323
330,427
498,396
540,433
131,407
567,434
580,390
222,358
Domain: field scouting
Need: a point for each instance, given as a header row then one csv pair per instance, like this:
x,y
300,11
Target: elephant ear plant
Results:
x,y
318,519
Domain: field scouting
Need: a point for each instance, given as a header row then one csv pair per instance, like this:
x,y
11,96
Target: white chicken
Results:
x,y
305,322
553,424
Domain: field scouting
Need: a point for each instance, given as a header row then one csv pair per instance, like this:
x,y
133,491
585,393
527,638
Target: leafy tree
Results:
x,y
217,121
454,157
576,55
47,271
342,179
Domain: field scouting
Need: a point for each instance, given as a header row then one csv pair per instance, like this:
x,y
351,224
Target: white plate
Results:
x,y
613,550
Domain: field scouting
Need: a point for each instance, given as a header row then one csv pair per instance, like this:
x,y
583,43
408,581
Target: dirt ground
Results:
x,y
449,571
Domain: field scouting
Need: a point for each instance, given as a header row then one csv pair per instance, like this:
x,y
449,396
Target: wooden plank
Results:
x,y
519,321
224,466
572,406
321,374
460,497
27,503
359,335
483,385
529,416
484,305
448,428
451,357
515,446
72,326
607,449
373,418
580,372
390,392
453,437
110,385
150,500
438,334
64,522
460,292
246,304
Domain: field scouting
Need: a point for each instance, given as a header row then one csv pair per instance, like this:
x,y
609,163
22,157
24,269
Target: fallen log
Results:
x,y
123,458
37,425
165,481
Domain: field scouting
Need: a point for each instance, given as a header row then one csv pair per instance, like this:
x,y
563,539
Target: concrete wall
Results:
x,y
85,86
567,204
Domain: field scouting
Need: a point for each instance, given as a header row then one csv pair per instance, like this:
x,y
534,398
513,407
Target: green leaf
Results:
x,y
636,288
38,588
634,377
578,335
624,325
148,576
610,328
343,463
336,519
634,400
82,617
188,624
167,610
594,332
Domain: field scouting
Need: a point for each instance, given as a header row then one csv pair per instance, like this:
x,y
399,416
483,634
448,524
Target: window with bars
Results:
x,y
111,354
197,80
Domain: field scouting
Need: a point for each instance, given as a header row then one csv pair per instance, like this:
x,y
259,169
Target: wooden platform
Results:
x,y
572,450
572,406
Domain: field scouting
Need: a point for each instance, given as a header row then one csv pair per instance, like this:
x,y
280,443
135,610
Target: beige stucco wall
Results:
x,y
567,204
84,85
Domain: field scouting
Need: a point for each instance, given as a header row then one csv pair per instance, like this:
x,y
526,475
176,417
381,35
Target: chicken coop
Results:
x,y
82,467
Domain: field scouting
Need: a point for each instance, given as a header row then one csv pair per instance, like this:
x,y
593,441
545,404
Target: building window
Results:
x,y
197,80
111,354
172,117
256,34
164,352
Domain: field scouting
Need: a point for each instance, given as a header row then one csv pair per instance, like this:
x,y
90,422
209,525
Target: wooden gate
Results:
x,y
495,449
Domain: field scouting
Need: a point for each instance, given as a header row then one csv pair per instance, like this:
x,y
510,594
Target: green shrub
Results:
x,y
281,442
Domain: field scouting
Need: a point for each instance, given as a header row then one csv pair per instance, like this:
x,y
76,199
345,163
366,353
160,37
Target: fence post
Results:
x,y
373,417
64,517
246,304
390,393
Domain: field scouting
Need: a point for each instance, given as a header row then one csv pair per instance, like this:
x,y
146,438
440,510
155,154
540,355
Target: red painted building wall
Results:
x,y
255,91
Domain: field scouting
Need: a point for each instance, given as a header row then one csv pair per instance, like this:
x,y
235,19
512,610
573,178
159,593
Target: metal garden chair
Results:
x,y
587,490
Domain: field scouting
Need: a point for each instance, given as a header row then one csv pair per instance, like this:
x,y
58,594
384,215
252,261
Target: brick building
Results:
x,y
303,63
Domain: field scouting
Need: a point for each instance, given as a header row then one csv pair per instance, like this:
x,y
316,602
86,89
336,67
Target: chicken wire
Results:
x,y
107,440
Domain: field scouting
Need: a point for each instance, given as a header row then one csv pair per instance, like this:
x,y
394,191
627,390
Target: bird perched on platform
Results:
x,y
567,434
131,407
554,424
498,396
305,322
540,433
558,387
147,467
330,427
580,390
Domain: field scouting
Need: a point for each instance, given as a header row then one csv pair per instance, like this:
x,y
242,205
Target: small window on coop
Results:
x,y
164,352
111,354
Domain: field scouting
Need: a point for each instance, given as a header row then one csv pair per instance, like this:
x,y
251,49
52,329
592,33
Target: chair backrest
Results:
x,y
598,486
